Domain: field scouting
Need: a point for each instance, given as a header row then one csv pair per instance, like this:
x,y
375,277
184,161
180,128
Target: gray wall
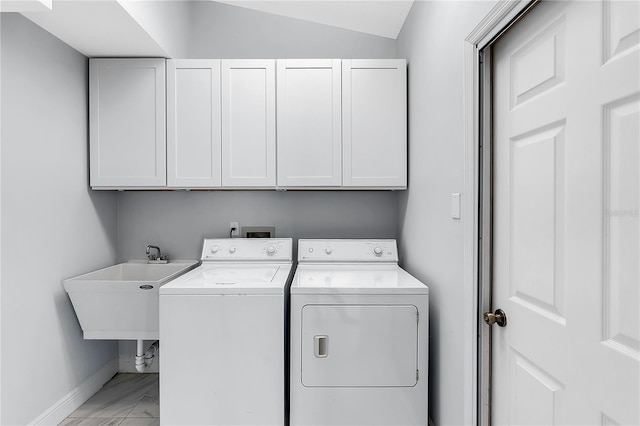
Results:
x,y
178,221
53,225
224,31
431,241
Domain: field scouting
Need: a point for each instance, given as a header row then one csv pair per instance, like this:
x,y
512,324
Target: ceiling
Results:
x,y
90,28
383,18
161,28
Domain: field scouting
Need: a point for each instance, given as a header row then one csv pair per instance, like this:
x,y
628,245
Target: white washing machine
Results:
x,y
222,334
359,336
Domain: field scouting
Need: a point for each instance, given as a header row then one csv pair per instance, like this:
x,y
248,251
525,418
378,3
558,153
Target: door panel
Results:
x,y
566,216
309,122
361,346
535,394
536,219
127,122
621,23
193,123
249,123
374,122
538,66
622,256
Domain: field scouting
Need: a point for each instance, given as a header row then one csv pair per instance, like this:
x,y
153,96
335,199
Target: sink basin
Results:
x,y
121,302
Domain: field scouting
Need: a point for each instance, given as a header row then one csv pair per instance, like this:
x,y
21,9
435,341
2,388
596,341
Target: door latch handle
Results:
x,y
320,346
498,317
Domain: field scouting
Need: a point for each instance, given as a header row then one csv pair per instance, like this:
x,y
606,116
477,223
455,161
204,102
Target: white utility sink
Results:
x,y
121,302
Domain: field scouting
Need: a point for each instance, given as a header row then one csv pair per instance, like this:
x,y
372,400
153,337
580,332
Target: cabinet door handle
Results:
x,y
321,346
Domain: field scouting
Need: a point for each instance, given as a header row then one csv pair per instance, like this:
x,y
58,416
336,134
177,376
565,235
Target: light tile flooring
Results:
x,y
127,399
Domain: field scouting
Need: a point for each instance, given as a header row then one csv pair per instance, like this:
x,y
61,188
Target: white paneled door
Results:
x,y
566,105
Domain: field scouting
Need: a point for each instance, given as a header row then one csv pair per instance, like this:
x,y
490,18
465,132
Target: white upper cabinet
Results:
x,y
309,139
127,123
248,123
374,123
193,123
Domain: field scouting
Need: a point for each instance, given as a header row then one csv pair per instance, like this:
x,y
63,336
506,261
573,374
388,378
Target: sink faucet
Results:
x,y
152,256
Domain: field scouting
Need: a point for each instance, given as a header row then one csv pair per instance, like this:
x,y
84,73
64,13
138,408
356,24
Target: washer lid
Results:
x,y
232,275
238,279
355,279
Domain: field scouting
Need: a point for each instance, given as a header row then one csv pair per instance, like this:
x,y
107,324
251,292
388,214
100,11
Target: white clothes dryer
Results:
x,y
222,334
359,336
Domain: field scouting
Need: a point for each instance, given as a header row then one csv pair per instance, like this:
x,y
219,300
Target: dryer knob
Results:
x,y
214,249
328,250
271,249
232,249
377,251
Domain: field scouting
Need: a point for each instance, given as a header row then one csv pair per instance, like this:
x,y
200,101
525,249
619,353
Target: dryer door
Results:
x,y
359,345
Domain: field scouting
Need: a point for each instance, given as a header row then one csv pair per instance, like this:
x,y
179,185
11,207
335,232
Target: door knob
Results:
x,y
498,317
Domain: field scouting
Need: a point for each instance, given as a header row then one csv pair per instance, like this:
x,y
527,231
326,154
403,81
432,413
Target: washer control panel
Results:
x,y
247,249
347,250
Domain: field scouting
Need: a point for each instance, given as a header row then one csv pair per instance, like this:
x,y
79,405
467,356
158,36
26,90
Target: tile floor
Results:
x,y
127,399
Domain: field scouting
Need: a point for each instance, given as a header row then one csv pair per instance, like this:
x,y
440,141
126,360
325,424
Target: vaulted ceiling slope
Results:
x,y
383,18
161,28
119,28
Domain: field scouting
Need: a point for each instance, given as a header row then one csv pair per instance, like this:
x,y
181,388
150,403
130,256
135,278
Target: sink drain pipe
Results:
x,y
145,359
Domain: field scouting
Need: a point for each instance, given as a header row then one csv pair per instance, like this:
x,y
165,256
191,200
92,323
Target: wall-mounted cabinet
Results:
x,y
221,123
194,136
127,123
374,123
249,123
339,124
309,142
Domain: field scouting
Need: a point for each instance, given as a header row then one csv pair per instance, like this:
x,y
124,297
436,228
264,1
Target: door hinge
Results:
x,y
417,375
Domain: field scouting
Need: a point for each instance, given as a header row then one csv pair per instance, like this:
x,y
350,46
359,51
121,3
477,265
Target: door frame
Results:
x,y
477,203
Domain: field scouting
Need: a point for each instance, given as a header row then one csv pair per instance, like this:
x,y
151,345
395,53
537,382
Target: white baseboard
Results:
x,y
74,399
128,364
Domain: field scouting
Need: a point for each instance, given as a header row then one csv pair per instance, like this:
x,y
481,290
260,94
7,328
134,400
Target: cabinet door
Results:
x,y
309,140
127,122
374,123
193,123
248,123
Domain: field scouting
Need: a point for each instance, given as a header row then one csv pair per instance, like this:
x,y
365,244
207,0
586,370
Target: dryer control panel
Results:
x,y
247,249
347,250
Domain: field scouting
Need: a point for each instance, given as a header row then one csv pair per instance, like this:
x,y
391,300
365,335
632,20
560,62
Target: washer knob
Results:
x,y
232,249
271,249
377,251
328,250
215,248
